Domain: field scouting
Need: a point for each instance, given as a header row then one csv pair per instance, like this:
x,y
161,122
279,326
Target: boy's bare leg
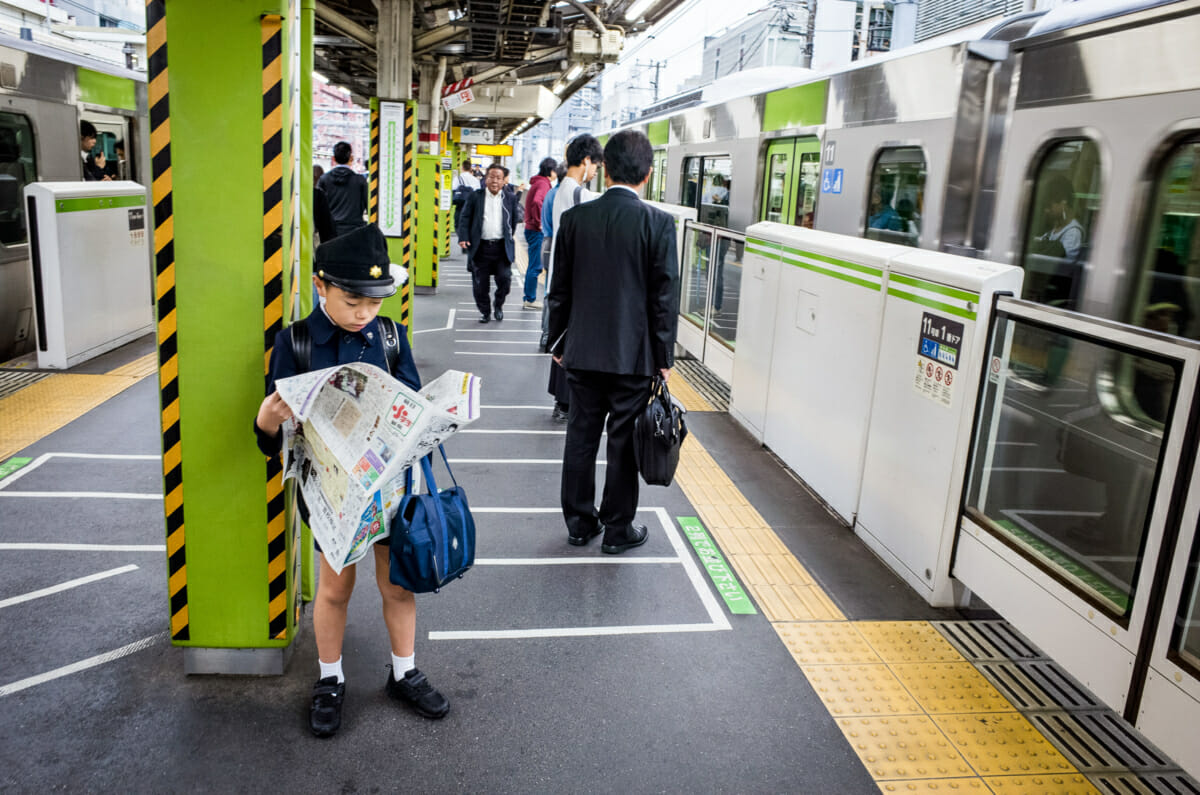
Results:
x,y
399,608
329,610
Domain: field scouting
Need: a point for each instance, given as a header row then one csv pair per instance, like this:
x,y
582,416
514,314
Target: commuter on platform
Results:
x,y
539,188
323,223
489,221
353,278
93,166
584,156
463,186
613,312
345,190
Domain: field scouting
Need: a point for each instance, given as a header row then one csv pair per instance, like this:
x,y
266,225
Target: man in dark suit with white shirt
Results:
x,y
613,311
488,221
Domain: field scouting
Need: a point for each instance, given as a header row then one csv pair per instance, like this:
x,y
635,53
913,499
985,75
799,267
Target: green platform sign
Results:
x,y
718,570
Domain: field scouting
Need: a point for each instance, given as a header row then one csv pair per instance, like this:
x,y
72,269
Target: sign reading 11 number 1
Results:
x,y
391,168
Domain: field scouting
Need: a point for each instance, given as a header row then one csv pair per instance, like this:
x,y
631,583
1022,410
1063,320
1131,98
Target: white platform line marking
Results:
x,y
44,457
718,619
516,510
555,461
569,561
477,330
65,586
497,353
82,665
57,547
103,495
495,342
448,327
518,430
546,407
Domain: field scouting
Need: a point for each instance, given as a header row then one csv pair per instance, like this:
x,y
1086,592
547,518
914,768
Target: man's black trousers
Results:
x,y
491,260
595,396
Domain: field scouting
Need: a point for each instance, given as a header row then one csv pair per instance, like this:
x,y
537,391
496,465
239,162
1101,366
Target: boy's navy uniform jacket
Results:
x,y
332,346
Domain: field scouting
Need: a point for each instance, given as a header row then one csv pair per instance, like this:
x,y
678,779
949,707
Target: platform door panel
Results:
x,y
1064,528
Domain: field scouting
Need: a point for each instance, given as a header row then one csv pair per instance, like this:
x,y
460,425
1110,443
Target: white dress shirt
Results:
x,y
493,215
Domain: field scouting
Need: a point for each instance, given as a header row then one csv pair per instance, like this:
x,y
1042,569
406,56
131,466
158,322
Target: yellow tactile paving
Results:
x,y
1072,784
686,394
1002,744
860,690
796,603
935,785
826,643
908,641
138,368
47,405
904,747
943,688
777,569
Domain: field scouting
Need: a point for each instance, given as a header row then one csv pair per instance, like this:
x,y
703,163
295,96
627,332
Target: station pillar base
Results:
x,y
244,662
419,290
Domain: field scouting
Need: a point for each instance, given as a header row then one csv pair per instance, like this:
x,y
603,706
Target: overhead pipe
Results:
x,y
346,26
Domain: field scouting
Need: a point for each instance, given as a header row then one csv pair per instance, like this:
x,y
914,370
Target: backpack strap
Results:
x,y
391,343
578,193
301,345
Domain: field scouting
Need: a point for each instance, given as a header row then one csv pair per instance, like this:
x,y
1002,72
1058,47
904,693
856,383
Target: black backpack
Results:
x,y
301,339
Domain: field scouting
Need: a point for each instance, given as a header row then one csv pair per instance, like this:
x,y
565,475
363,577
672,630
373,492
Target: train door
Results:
x,y
791,181
1068,525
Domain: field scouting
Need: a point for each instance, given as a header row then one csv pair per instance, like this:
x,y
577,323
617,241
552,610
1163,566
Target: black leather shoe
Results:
x,y
578,540
616,543
560,413
415,691
499,314
484,318
325,715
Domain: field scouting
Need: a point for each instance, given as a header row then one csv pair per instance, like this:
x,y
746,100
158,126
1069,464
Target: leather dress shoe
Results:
x,y
561,413
578,540
484,318
499,314
618,542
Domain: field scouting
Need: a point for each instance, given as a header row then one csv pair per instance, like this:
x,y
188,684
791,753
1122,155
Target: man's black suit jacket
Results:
x,y
471,223
613,300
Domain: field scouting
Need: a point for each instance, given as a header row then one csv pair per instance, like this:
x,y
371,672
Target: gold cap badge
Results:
x,y
376,271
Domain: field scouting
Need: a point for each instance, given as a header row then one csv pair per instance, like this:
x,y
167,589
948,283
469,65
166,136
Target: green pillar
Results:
x,y
426,212
224,253
308,588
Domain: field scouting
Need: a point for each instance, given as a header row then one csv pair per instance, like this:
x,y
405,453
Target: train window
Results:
x,y
656,188
897,196
775,200
18,167
706,185
1058,231
1166,287
810,181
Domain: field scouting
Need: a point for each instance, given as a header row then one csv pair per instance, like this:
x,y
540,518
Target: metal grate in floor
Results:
x,y
987,640
13,381
706,382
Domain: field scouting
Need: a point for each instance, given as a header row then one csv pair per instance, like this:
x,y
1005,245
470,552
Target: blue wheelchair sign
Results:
x,y
831,182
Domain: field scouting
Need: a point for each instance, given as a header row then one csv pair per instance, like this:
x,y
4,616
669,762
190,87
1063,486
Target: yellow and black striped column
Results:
x,y
168,351
373,166
272,230
437,224
410,124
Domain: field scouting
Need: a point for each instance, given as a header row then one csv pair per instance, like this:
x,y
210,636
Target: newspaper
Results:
x,y
355,431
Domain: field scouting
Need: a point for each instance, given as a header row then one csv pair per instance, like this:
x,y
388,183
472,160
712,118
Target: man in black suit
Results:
x,y
613,313
488,222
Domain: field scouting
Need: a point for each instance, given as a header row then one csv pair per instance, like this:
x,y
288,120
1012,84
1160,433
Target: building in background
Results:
x,y
773,36
337,118
108,30
579,114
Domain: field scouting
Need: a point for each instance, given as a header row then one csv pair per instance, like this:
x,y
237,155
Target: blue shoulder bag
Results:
x,y
432,534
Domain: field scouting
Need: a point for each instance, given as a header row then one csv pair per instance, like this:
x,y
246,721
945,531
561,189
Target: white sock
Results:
x,y
332,669
402,665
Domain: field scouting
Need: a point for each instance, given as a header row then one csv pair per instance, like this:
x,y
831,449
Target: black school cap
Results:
x,y
357,262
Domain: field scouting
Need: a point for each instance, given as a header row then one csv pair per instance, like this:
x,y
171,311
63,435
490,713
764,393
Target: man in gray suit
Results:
x,y
613,314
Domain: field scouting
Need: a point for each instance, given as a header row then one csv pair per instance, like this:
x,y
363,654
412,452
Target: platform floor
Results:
x,y
567,670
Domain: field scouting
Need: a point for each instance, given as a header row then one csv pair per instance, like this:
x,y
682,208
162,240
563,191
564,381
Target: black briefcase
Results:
x,y
658,433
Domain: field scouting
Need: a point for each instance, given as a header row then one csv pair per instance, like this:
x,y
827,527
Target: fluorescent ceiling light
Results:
x,y
559,86
638,9
574,72
320,78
